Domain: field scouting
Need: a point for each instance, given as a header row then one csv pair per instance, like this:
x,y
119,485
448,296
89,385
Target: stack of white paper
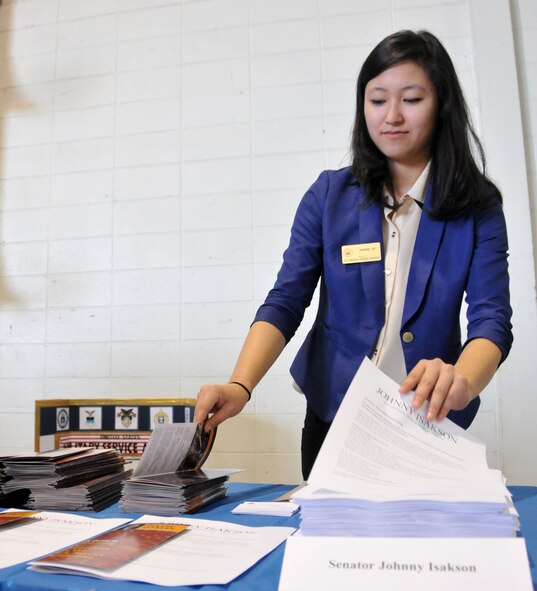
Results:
x,y
384,470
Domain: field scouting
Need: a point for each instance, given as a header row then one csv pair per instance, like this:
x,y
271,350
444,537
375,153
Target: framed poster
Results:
x,y
122,423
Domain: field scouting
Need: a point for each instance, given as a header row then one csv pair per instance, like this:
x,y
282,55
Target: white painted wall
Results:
x,y
153,154
502,127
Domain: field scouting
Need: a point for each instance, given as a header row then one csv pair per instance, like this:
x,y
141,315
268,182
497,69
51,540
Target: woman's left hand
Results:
x,y
445,388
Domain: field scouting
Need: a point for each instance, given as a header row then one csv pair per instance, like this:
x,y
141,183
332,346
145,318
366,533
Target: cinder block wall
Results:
x,y
153,154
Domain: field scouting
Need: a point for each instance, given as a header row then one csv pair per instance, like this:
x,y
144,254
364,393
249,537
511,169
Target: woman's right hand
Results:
x,y
222,400
262,346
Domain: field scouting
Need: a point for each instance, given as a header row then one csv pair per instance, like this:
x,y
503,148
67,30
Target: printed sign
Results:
x,y
131,445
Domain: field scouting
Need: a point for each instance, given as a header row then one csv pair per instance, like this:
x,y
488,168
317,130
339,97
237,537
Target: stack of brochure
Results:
x,y
168,480
173,493
385,471
81,479
15,498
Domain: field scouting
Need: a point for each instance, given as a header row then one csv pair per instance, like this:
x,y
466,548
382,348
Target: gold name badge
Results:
x,y
360,253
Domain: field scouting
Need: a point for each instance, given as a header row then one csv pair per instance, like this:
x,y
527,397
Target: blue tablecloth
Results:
x,y
264,576
525,499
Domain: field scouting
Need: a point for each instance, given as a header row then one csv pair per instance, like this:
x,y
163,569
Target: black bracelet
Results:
x,y
244,388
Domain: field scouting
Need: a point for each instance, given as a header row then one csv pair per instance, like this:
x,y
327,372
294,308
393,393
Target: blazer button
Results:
x,y
408,337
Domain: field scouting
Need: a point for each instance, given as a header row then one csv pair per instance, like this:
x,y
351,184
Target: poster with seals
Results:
x,y
124,424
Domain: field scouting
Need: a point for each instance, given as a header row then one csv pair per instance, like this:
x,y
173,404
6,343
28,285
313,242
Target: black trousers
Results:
x,y
313,434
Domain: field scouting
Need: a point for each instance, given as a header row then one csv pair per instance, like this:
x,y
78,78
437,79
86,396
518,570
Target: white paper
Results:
x,y
385,471
277,508
387,564
50,532
209,552
378,442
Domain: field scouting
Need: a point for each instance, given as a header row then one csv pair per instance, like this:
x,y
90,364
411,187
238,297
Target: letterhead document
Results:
x,y
380,447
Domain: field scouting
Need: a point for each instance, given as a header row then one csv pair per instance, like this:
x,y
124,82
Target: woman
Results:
x,y
397,239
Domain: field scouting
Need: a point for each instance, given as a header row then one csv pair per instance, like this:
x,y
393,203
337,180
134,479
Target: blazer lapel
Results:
x,y
370,230
427,244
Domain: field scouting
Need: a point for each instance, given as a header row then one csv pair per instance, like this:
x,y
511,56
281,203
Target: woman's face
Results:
x,y
400,108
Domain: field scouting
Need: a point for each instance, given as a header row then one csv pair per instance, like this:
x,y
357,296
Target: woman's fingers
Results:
x,y
438,382
220,401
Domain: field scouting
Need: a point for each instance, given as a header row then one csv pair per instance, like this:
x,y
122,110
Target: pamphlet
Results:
x,y
175,447
18,517
48,532
113,549
209,552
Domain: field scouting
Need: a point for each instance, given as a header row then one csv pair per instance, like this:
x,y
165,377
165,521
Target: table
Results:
x,y
264,576
525,499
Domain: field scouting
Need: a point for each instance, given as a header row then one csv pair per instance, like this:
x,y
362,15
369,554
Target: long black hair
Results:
x,y
458,183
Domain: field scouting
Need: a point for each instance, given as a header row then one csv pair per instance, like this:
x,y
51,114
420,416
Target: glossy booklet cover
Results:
x,y
112,549
8,518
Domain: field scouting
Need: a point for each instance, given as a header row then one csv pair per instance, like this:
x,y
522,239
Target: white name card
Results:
x,y
418,564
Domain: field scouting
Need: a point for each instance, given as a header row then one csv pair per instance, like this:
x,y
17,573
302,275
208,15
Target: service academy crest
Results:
x,y
126,418
161,415
62,419
90,417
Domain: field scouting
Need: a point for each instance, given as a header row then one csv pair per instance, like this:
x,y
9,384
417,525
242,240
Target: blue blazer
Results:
x,y
450,259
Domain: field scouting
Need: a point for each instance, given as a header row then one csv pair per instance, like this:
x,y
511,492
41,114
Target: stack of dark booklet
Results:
x,y
15,498
168,479
72,479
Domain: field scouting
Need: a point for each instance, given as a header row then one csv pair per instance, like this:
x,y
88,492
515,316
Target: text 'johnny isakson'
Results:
x,y
417,416
417,567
